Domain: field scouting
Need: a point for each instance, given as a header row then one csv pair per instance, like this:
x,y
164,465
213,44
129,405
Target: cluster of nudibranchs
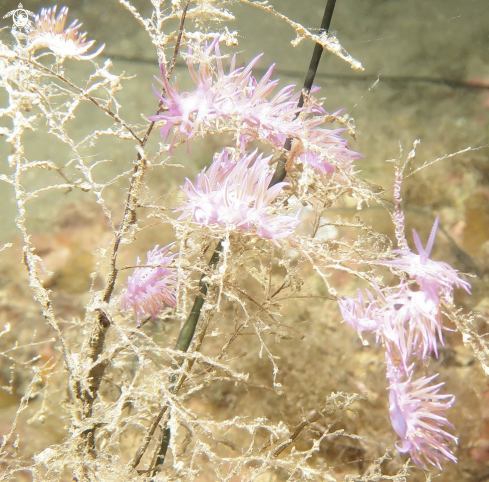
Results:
x,y
235,193
409,323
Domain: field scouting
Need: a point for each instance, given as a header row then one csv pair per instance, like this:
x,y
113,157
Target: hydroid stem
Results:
x,y
280,172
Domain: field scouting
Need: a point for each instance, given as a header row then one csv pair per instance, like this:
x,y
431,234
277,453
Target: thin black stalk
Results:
x,y
280,172
188,330
318,51
165,441
185,338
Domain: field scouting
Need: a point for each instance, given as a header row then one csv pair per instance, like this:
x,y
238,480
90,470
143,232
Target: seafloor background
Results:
x,y
431,61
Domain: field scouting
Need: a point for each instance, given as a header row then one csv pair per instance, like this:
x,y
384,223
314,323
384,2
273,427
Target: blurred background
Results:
x,y
426,77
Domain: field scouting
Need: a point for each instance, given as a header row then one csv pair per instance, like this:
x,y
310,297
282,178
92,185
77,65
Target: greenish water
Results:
x,y
427,56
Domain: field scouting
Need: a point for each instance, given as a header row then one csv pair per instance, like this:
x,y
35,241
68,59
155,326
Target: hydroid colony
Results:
x,y
253,223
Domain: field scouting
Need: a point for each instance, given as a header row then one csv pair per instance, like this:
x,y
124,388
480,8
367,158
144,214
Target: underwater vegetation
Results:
x,y
173,369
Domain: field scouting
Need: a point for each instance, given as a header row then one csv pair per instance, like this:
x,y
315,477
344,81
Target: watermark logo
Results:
x,y
20,17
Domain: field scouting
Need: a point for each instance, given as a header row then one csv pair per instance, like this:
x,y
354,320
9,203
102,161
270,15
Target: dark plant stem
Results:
x,y
188,330
165,441
280,172
185,338
318,51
